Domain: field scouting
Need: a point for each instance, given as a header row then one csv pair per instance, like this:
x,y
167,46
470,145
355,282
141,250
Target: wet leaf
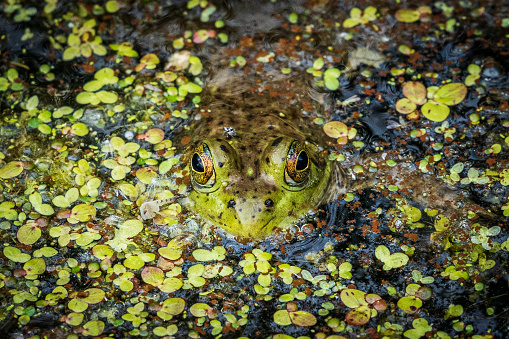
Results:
x,y
129,229
74,319
409,305
302,318
405,106
407,15
358,316
77,305
153,136
134,262
337,130
451,94
79,129
173,306
34,267
415,92
28,234
200,309
152,275
353,298
93,296
170,285
15,254
435,111
282,317
11,170
81,212
146,175
93,328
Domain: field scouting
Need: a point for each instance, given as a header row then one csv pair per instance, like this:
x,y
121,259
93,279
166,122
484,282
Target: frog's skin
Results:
x,y
244,163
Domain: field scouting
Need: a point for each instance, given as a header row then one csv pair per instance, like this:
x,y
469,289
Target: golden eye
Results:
x,y
297,164
202,166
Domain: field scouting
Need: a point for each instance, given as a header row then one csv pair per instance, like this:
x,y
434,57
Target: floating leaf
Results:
x,y
282,318
79,129
409,305
153,136
81,212
146,174
102,251
134,262
358,316
407,15
107,97
200,309
129,229
93,328
29,233
15,254
451,94
415,92
173,306
302,318
74,319
435,111
152,275
337,130
34,267
93,296
11,170
353,298
405,106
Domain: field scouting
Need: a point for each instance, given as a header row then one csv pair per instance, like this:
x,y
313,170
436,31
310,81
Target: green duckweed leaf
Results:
x,y
93,328
79,129
405,106
435,111
409,305
28,234
407,15
11,170
93,295
34,267
77,305
353,298
358,316
302,318
102,251
173,306
15,254
451,94
200,309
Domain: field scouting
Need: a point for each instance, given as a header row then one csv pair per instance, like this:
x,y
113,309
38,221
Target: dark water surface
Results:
x,y
97,105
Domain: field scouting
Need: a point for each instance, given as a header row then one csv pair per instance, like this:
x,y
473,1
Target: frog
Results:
x,y
255,161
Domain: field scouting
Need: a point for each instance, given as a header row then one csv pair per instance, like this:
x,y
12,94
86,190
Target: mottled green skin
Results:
x,y
249,167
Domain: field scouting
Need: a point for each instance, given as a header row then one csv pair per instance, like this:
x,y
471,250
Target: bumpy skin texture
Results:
x,y
245,148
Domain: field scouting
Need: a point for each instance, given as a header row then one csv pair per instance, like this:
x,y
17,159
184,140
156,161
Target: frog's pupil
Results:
x,y
302,161
197,163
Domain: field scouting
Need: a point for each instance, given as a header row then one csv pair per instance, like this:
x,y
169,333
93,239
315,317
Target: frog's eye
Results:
x,y
202,166
297,165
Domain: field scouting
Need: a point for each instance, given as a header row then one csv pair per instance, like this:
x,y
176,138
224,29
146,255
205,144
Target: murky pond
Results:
x,y
284,169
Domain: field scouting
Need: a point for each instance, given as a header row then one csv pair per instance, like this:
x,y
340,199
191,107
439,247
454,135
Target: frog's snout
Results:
x,y
254,216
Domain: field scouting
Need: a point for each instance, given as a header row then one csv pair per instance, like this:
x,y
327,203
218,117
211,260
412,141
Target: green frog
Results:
x,y
256,161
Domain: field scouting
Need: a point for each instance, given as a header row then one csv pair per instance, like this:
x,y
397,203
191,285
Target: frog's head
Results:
x,y
250,191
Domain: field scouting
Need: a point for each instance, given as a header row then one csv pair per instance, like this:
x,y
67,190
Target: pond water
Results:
x,y
395,115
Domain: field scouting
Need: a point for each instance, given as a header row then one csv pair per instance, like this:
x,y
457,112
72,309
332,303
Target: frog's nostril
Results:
x,y
269,203
231,203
